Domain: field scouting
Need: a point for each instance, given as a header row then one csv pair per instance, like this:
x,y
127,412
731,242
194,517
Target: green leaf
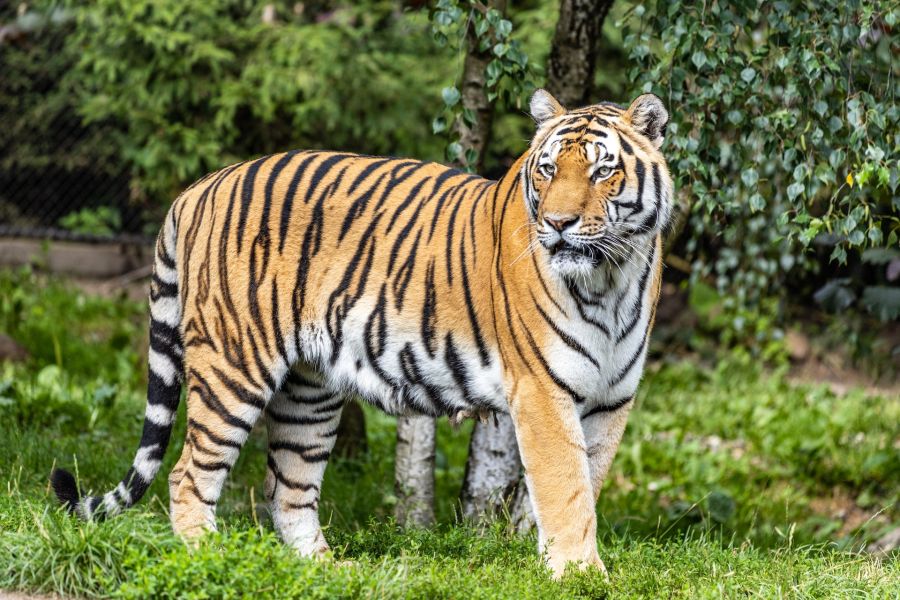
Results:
x,y
438,125
748,74
721,506
880,256
749,177
504,28
794,190
450,95
757,203
699,59
454,151
882,301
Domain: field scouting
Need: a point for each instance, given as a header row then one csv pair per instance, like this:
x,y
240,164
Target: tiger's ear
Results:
x,y
544,106
649,117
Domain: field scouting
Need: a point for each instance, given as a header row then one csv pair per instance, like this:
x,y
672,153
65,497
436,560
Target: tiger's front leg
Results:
x,y
557,473
603,429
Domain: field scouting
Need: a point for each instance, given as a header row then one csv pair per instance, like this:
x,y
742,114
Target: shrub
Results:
x,y
201,85
784,133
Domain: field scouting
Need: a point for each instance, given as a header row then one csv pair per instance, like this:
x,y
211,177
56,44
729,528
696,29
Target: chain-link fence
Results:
x,y
60,178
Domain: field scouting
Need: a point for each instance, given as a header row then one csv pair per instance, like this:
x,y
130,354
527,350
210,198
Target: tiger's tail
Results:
x,y
163,393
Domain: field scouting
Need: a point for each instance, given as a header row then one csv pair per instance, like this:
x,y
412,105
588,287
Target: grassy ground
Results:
x,y
729,482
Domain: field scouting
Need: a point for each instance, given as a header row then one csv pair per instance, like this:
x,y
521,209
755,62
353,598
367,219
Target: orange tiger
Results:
x,y
284,284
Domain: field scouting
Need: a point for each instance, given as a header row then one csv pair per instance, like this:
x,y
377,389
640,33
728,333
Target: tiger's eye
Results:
x,y
547,170
602,172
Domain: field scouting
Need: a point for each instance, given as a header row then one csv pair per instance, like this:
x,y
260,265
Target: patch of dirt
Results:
x,y
11,350
841,506
134,286
833,368
25,596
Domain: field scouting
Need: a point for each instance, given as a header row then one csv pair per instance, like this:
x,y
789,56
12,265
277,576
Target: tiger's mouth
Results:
x,y
564,251
564,248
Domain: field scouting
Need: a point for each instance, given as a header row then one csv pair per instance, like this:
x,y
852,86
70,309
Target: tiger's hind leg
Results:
x,y
302,422
223,403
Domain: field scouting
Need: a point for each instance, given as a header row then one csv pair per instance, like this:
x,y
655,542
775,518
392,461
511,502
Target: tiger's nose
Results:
x,y
560,222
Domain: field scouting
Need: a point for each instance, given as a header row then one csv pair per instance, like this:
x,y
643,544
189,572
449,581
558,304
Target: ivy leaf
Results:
x,y
471,156
450,96
749,177
454,151
699,59
481,27
748,74
757,202
880,256
794,190
504,28
836,295
438,125
883,301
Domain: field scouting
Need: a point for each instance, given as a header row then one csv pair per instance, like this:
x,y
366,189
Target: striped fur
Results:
x,y
285,283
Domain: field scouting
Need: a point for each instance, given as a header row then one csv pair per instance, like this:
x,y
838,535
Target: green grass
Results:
x,y
730,482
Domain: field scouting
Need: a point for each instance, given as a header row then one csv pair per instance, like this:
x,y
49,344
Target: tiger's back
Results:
x,y
354,265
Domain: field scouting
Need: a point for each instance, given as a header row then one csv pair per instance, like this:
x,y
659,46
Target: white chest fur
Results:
x,y
601,343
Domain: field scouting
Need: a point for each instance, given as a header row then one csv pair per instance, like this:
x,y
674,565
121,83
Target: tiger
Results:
x,y
283,285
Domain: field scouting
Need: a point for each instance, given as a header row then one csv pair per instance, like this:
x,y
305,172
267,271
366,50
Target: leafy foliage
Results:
x,y
785,130
201,85
100,221
508,75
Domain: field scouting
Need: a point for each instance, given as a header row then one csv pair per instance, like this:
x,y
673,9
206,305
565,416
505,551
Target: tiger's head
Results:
x,y
596,185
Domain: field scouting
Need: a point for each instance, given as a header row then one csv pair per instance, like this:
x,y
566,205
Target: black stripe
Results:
x,y
247,197
429,311
241,393
289,198
631,362
215,439
607,408
565,337
578,398
470,305
297,419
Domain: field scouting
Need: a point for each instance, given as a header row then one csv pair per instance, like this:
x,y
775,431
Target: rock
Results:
x,y
888,542
11,350
797,345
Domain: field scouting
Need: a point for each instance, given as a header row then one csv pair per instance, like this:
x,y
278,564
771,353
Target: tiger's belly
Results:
x,y
385,360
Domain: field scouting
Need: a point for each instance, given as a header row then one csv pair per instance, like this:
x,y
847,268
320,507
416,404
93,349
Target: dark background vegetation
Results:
x,y
783,139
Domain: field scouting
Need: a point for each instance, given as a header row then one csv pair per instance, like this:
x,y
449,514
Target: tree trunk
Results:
x,y
473,91
414,471
573,53
493,469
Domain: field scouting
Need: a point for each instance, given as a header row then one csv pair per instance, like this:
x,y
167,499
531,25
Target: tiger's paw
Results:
x,y
560,564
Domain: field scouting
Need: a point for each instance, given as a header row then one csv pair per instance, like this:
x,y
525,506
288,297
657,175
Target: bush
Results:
x,y
201,85
784,133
